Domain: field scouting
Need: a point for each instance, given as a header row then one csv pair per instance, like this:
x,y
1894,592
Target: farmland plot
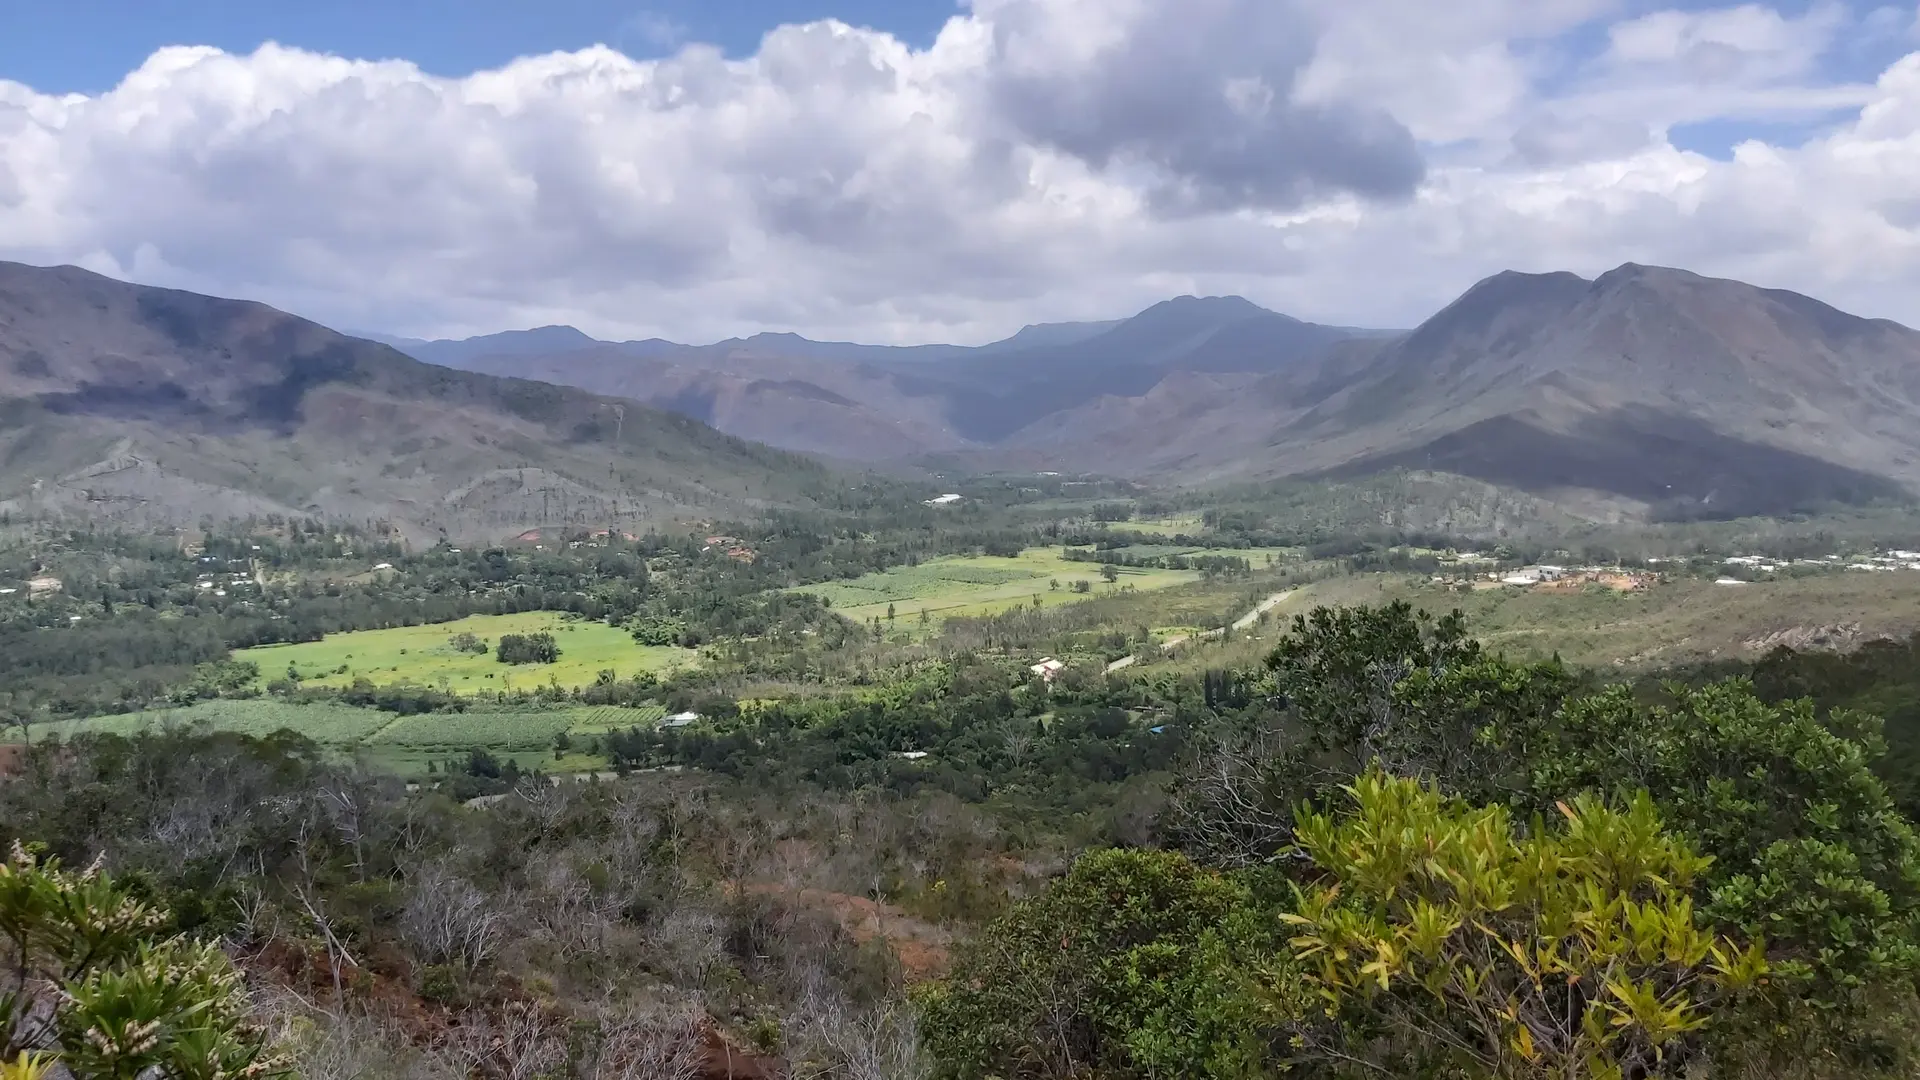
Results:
x,y
427,655
980,585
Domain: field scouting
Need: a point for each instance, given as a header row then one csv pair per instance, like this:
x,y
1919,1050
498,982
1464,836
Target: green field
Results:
x,y
1180,525
335,725
981,585
405,743
424,655
1256,557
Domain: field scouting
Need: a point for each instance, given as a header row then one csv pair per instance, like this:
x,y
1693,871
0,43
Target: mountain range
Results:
x,y
1645,392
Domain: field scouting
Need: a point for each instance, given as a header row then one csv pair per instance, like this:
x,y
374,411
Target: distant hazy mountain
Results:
x,y
548,340
885,403
151,405
465,353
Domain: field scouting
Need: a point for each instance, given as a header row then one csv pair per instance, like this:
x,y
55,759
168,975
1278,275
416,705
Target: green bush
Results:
x,y
1809,851
98,986
1135,964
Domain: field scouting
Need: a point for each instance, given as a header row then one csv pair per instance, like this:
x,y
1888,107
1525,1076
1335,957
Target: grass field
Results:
x,y
424,655
404,743
981,585
1181,525
334,725
1679,622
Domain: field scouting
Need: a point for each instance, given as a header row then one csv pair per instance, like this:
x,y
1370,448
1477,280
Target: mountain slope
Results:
x,y
1657,390
992,398
856,412
152,405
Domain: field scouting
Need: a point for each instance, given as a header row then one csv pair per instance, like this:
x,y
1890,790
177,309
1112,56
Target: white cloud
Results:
x,y
1042,159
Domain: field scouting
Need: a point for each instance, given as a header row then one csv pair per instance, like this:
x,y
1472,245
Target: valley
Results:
x,y
783,705
960,540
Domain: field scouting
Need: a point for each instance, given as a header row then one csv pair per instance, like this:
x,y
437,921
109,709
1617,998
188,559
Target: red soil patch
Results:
x,y
921,947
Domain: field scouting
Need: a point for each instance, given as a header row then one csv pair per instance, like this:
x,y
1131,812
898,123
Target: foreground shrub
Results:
x,y
1488,952
98,989
1135,964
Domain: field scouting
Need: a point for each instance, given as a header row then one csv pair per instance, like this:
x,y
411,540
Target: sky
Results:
x,y
925,170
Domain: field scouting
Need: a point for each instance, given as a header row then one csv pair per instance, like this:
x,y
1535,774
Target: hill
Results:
x,y
1662,389
155,406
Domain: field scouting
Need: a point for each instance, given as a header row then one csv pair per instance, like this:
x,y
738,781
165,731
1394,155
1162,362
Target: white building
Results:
x,y
680,720
944,500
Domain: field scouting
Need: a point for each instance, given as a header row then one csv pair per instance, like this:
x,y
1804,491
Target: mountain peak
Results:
x,y
1507,298
1218,307
1639,273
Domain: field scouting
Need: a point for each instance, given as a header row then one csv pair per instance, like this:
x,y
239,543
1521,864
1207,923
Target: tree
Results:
x,y
1109,573
1137,963
1347,688
101,989
537,648
1807,845
1486,952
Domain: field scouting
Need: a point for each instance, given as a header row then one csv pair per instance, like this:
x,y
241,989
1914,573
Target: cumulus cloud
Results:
x,y
1201,97
1042,159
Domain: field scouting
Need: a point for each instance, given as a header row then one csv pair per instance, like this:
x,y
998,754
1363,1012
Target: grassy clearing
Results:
x,y
403,743
1676,623
982,585
1180,525
424,655
335,725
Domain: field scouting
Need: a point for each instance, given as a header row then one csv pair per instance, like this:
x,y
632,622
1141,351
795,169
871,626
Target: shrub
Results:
x,y
1486,952
537,648
1137,963
133,999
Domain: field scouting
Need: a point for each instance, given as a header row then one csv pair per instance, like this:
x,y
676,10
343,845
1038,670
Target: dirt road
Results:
x,y
1241,623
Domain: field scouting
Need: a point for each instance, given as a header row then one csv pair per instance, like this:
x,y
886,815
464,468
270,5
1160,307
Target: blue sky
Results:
x,y
1352,161
88,45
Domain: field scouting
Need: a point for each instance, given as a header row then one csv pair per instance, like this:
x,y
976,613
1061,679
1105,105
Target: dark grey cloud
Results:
x,y
1198,98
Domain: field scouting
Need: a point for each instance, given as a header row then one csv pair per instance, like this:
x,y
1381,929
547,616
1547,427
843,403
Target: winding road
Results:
x,y
1240,623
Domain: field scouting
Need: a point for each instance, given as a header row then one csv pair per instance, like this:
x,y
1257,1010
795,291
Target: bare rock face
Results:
x,y
1836,638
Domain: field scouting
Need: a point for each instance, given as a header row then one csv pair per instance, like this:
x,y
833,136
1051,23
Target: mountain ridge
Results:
x,y
152,405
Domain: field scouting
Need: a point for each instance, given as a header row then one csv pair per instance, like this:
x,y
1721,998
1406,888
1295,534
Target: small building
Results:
x,y
943,500
1047,668
680,720
910,755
